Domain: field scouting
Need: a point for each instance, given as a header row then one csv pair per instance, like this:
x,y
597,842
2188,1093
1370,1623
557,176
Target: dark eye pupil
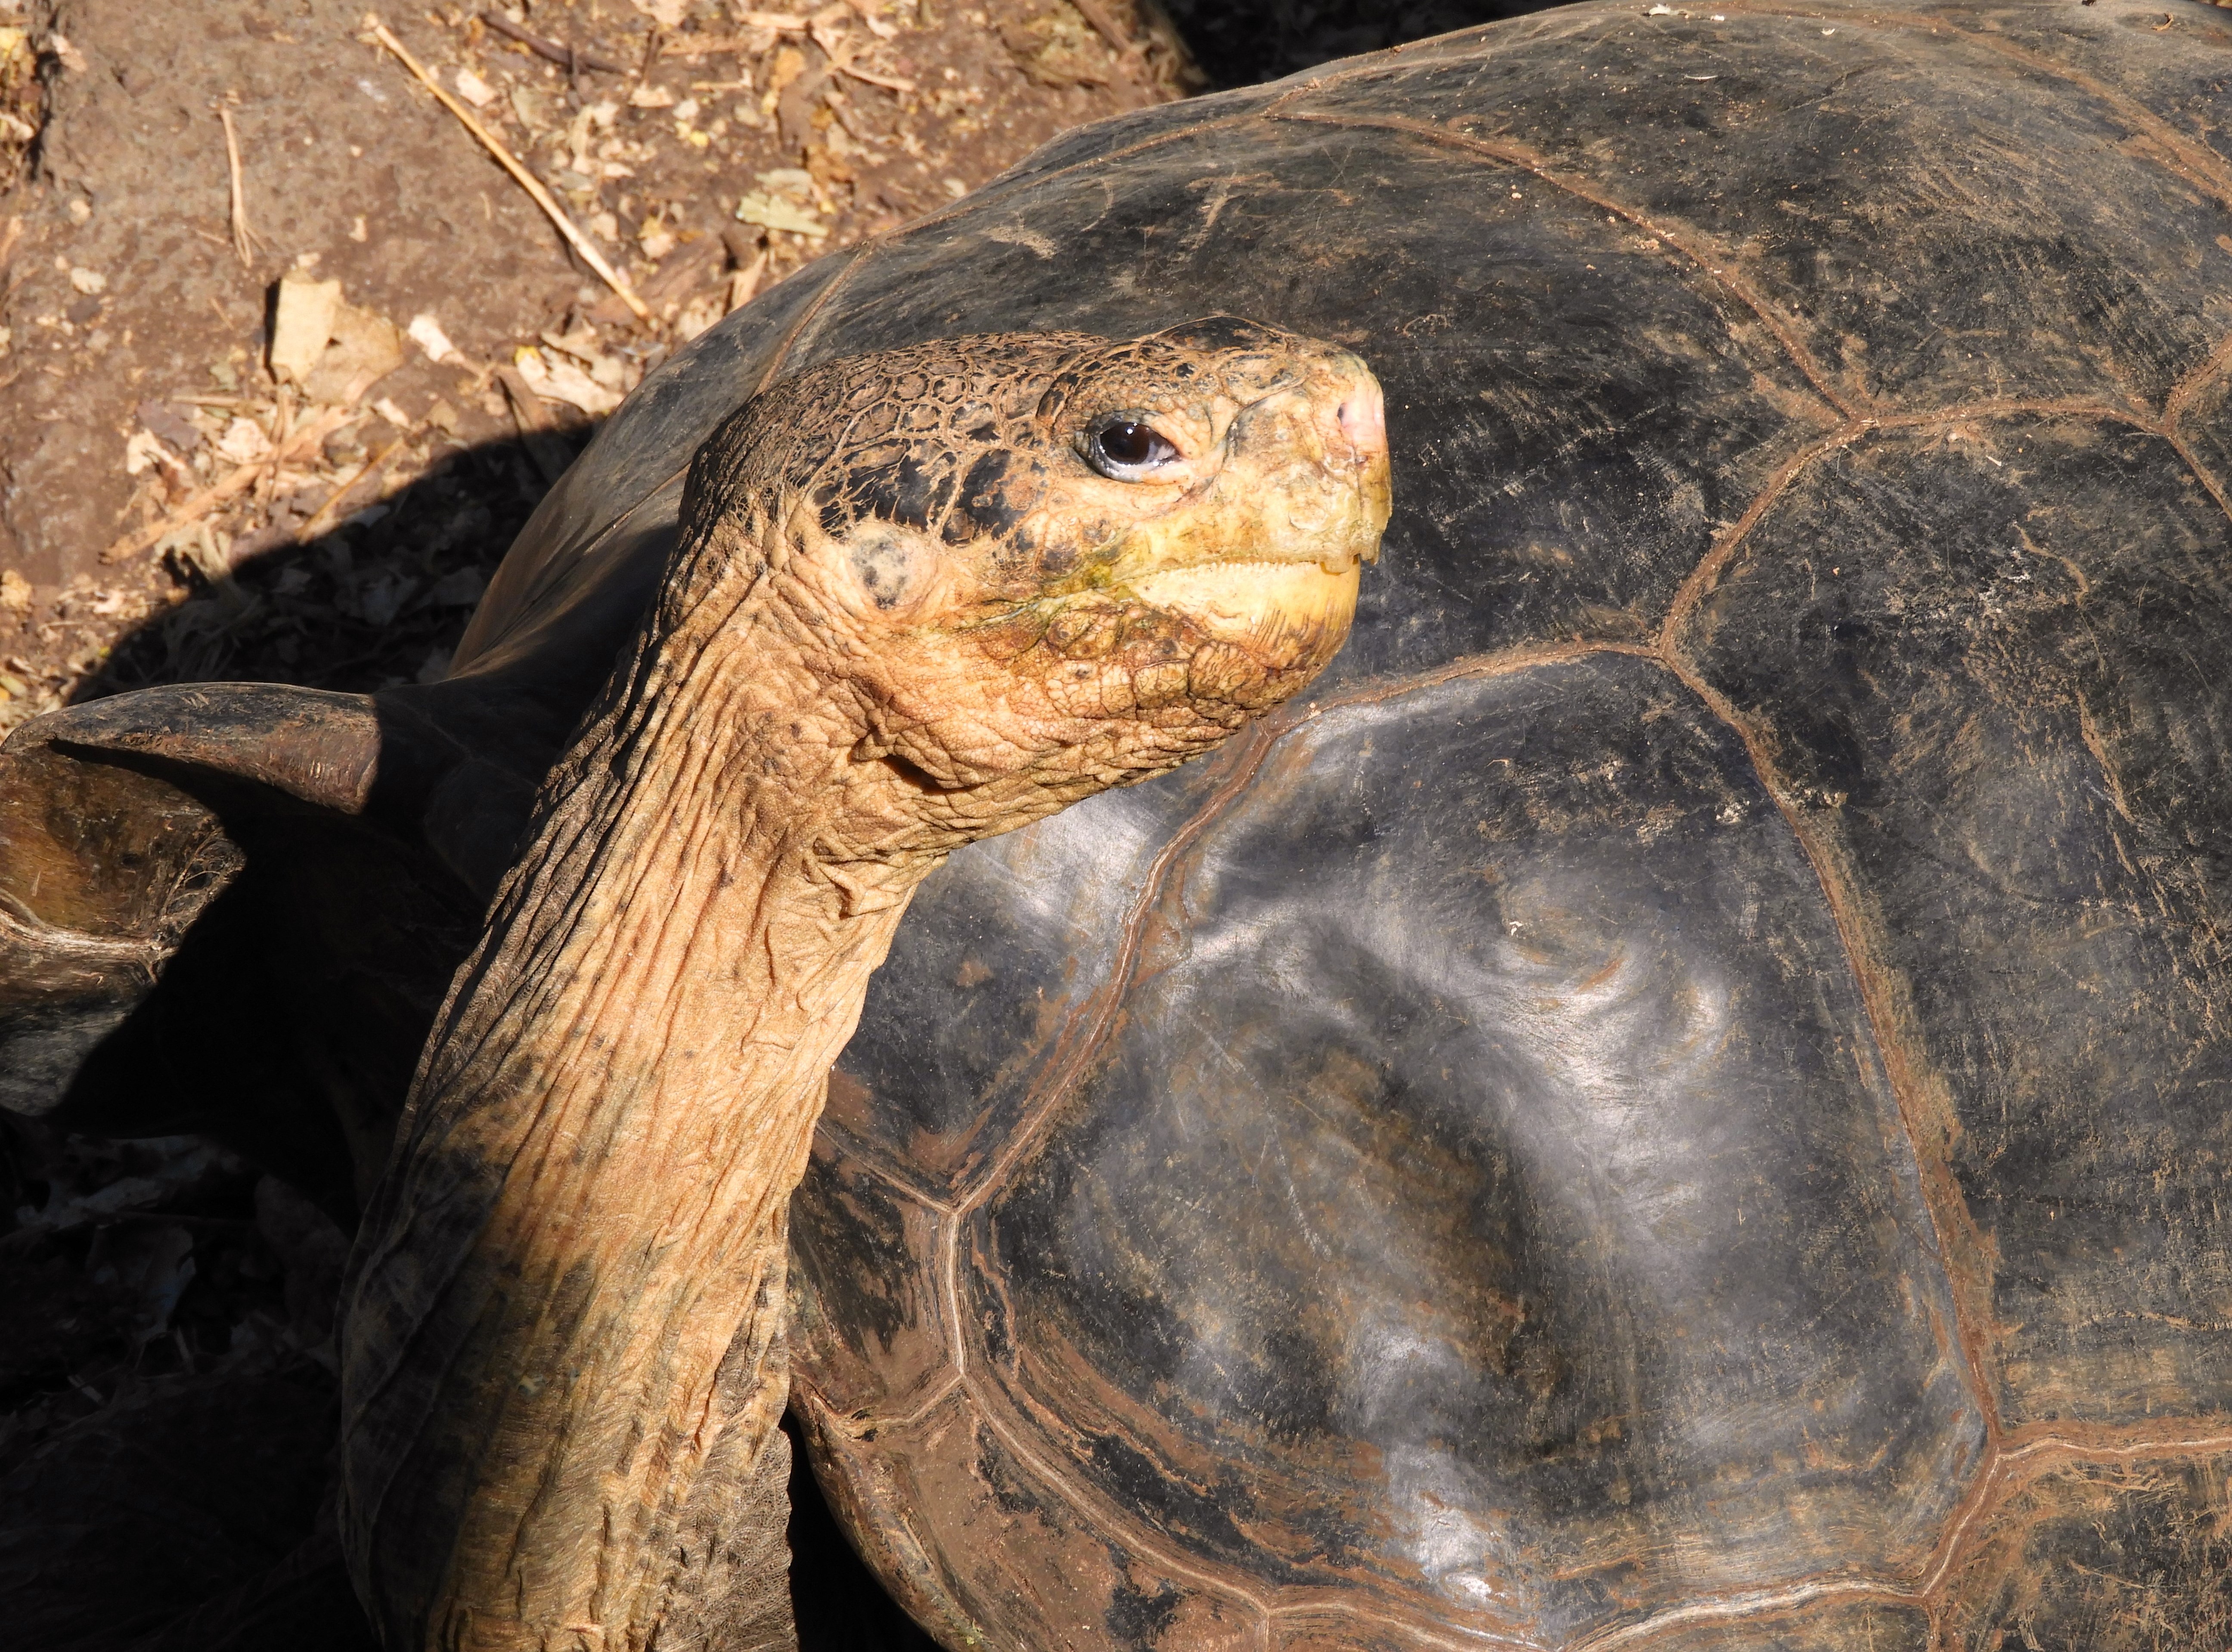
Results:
x,y
1129,443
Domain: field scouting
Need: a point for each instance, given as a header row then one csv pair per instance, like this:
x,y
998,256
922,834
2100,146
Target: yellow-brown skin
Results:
x,y
566,1302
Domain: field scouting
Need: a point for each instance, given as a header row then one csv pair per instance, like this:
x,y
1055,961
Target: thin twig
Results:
x,y
1105,26
715,46
526,180
745,282
889,82
532,422
566,55
246,243
237,483
323,516
839,51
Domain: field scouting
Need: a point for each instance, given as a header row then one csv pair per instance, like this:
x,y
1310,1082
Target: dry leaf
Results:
x,y
790,64
243,441
532,108
557,380
303,324
366,348
773,212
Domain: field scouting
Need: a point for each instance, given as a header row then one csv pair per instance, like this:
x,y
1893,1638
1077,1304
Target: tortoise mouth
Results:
x,y
1263,606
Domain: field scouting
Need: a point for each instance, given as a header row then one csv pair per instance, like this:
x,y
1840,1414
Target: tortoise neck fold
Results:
x,y
587,1210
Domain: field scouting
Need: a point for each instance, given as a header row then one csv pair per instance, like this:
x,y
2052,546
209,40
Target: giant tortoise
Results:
x,y
1675,1097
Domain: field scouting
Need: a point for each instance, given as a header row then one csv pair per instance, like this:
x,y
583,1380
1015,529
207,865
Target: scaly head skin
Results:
x,y
1054,560
922,596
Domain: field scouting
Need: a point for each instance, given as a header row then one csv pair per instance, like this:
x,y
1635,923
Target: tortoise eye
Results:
x,y
1125,445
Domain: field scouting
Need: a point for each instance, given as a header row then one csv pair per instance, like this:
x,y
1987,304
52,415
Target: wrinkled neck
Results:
x,y
585,1216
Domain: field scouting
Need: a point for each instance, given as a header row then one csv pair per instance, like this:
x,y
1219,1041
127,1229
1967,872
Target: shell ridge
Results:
x,y
2208,173
1098,1015
1950,1217
1537,165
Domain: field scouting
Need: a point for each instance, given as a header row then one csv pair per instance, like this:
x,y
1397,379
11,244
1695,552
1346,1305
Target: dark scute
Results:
x,y
1991,670
1136,1618
993,975
1531,1138
1830,1625
2120,1556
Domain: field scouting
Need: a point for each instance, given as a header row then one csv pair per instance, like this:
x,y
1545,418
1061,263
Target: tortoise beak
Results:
x,y
1314,456
1362,421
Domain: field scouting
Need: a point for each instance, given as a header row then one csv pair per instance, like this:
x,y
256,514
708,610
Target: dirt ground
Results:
x,y
137,376
286,359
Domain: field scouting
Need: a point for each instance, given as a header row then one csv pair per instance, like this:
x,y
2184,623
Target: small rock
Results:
x,y
473,89
426,333
165,422
89,281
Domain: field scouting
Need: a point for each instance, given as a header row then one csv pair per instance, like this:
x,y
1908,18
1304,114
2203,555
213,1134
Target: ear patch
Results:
x,y
894,565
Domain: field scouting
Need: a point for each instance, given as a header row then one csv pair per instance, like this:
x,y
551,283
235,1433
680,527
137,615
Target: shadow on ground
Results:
x,y
1240,42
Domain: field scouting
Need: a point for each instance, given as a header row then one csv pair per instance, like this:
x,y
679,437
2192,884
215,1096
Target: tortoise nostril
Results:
x,y
1364,421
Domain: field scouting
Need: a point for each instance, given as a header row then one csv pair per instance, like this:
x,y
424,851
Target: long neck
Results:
x,y
587,1214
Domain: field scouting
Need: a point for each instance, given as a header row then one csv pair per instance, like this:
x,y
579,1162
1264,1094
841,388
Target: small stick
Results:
x,y
839,49
889,82
526,180
246,243
745,282
1105,26
565,56
323,516
237,483
691,50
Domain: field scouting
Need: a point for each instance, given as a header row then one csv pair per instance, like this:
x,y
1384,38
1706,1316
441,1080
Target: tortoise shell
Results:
x,y
1677,1098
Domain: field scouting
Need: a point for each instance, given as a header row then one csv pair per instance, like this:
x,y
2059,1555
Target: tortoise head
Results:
x,y
1044,564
